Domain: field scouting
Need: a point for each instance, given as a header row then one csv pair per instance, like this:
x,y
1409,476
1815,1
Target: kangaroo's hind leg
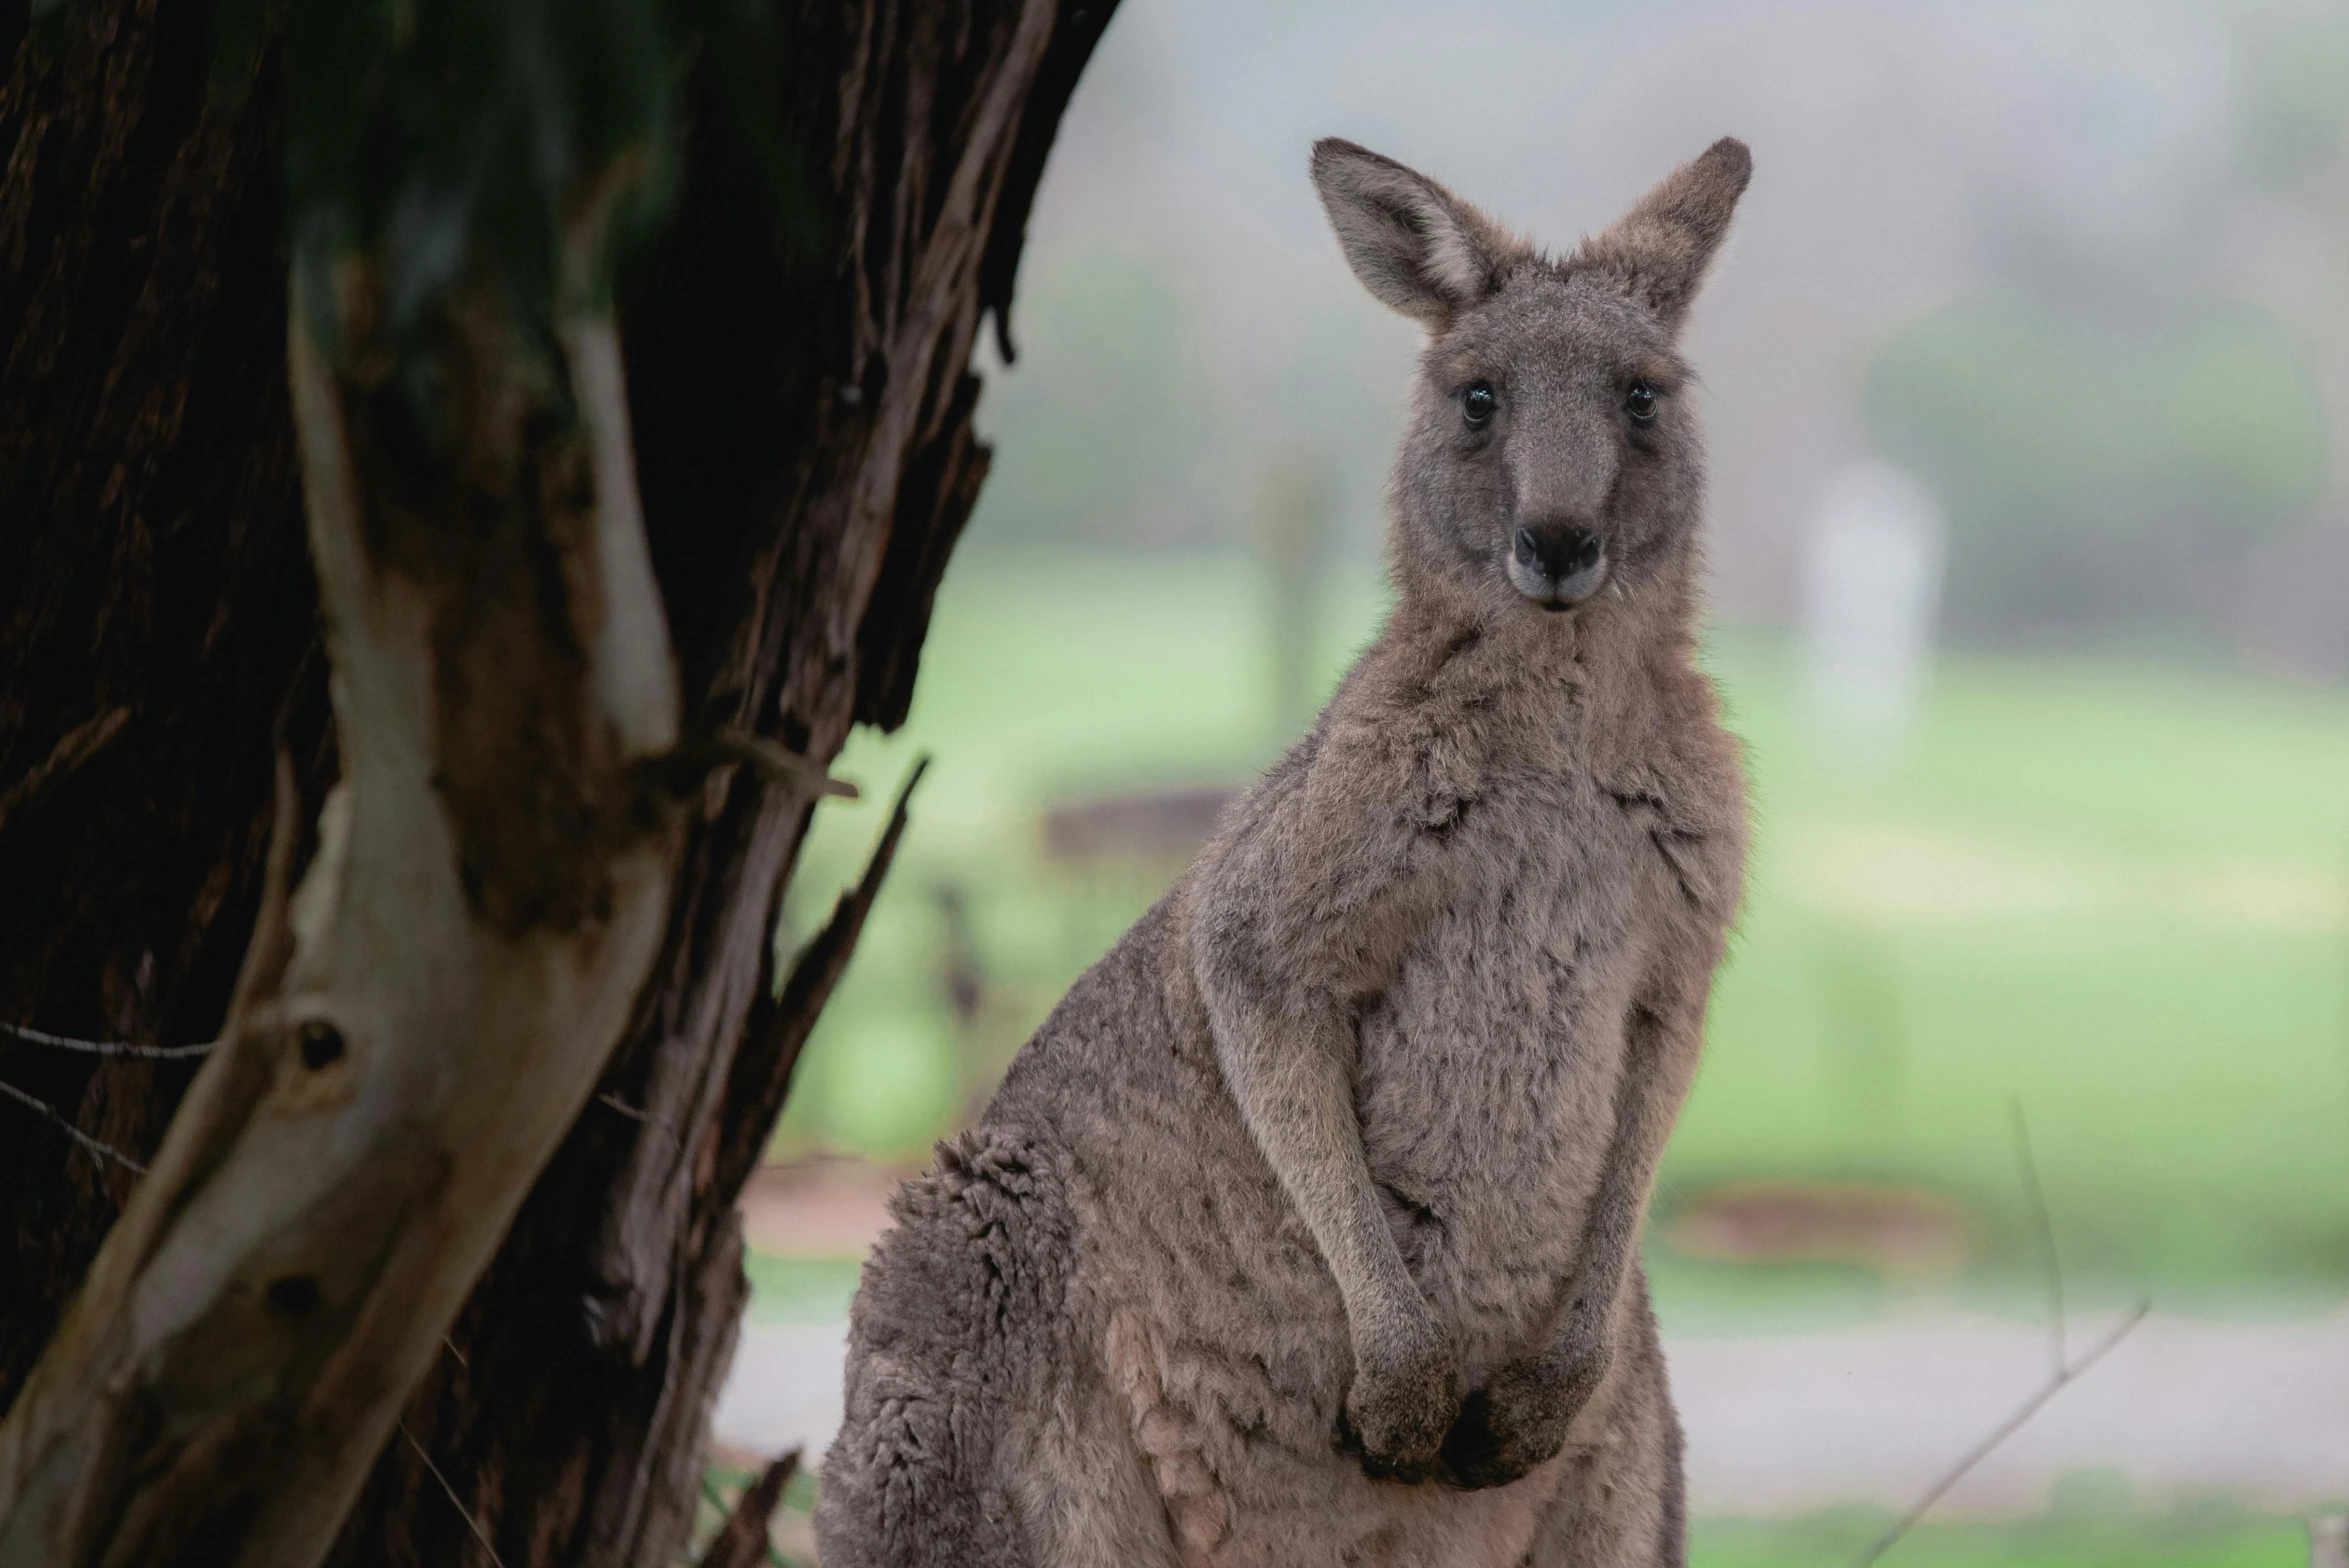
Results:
x,y
978,1431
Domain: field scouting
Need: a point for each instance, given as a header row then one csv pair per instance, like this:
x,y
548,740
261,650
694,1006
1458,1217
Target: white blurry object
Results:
x,y
1871,591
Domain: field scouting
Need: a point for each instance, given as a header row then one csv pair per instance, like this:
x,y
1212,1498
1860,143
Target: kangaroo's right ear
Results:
x,y
1416,246
1662,246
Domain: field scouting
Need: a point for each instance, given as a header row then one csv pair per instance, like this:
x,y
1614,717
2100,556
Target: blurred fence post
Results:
x,y
1295,508
1871,595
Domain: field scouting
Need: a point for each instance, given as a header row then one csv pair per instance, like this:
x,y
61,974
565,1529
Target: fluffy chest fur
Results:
x,y
1560,870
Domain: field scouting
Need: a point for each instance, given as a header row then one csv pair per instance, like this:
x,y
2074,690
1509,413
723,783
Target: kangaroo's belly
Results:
x,y
1485,1090
1487,1083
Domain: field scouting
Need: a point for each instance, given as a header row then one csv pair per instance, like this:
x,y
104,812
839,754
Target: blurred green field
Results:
x,y
2095,1537
2069,1536
2116,893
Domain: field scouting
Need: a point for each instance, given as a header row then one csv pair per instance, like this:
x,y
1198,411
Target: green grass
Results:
x,y
2215,1537
798,1290
2095,1531
2118,893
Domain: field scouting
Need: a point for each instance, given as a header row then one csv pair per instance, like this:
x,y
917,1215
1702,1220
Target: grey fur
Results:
x,y
1305,1230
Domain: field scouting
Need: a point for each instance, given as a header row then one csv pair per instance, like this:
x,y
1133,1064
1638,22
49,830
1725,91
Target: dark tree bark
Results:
x,y
802,412
151,566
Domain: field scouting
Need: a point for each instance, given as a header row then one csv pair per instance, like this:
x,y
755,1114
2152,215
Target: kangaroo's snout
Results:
x,y
1558,565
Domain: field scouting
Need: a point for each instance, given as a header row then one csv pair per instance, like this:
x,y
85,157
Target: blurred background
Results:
x,y
2027,378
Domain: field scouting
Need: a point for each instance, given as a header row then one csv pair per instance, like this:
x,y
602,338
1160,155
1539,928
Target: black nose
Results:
x,y
1558,553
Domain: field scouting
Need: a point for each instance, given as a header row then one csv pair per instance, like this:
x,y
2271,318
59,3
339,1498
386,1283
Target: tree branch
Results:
x,y
2055,1385
62,1042
58,1119
2066,1370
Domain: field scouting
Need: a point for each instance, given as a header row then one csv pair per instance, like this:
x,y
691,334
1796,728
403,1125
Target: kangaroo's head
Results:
x,y
1549,455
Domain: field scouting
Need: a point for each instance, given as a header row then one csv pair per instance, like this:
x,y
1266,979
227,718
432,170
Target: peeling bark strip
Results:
x,y
743,1541
782,1017
465,949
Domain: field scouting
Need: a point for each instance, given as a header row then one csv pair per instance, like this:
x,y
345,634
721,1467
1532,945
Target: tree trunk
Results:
x,y
801,407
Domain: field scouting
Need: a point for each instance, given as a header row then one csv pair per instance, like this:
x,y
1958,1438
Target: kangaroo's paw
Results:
x,y
1520,1417
1406,1392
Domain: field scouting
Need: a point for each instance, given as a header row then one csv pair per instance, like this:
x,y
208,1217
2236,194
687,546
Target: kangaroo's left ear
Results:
x,y
1418,248
1662,246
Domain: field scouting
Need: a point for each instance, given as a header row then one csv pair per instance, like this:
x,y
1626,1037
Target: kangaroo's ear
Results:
x,y
1416,246
1662,246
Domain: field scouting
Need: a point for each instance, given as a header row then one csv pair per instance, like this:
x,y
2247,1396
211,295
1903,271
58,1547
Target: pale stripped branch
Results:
x,y
418,1022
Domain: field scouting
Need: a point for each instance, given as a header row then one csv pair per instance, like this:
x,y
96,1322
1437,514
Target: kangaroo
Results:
x,y
1305,1230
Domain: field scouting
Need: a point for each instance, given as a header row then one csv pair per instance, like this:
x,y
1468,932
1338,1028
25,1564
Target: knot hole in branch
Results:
x,y
320,1043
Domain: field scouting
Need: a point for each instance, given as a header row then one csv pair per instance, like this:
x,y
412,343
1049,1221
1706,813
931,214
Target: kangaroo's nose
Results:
x,y
1556,564
1558,553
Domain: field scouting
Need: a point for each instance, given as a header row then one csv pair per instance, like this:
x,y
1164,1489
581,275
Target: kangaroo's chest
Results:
x,y
1498,1038
1487,1079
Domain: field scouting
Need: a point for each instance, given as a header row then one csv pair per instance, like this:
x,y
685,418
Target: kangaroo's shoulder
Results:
x,y
1681,775
1408,741
1705,761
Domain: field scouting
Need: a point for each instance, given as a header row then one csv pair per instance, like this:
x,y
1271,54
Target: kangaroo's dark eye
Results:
x,y
1639,403
1477,404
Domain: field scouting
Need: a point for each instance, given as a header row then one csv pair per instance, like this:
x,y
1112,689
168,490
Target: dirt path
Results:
x,y
1788,1422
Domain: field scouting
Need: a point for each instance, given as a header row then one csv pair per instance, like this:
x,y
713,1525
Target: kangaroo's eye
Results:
x,y
1639,403
1477,404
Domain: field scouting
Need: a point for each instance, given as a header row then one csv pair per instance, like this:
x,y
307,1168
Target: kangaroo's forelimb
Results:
x,y
1281,962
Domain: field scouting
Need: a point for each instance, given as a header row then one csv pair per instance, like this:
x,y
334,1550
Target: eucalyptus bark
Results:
x,y
802,419
152,567
420,1020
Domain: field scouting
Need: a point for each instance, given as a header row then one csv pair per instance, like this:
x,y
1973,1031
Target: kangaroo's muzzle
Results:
x,y
1557,565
